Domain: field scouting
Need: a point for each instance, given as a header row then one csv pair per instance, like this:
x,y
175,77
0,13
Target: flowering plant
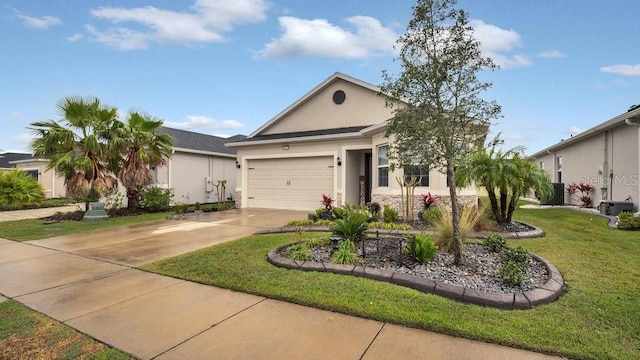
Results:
x,y
428,200
326,202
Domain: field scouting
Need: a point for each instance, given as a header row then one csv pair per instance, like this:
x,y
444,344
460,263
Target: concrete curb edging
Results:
x,y
545,294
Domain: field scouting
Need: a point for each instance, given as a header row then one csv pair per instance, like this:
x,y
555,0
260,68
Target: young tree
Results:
x,y
77,148
506,175
439,117
136,148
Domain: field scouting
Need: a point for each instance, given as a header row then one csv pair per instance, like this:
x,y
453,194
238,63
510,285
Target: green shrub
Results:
x,y
315,243
296,223
156,199
628,221
323,223
18,187
431,216
180,208
422,247
197,206
351,227
389,214
299,252
339,212
469,217
514,265
346,253
495,242
389,226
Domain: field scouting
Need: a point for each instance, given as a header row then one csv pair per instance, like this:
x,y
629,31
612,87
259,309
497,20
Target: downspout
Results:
x,y
631,123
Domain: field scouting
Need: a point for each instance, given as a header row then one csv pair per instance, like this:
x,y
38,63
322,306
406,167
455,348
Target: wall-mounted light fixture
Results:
x,y
285,147
339,161
237,164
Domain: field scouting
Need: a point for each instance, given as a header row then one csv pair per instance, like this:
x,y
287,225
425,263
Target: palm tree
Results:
x,y
506,175
77,146
136,148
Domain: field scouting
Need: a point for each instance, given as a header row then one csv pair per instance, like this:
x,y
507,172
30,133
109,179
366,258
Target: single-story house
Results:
x,y
197,164
330,141
606,156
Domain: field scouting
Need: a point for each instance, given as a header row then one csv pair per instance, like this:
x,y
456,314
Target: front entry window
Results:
x,y
420,172
383,165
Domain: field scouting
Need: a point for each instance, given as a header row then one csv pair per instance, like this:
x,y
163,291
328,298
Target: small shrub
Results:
x,y
327,202
324,223
428,201
180,208
431,216
318,243
299,252
514,266
469,217
352,227
389,214
18,187
422,247
156,199
374,208
346,254
628,221
389,226
112,200
495,242
339,212
297,223
197,206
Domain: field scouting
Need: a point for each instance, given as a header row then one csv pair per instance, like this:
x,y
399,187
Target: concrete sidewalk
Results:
x,y
37,213
156,317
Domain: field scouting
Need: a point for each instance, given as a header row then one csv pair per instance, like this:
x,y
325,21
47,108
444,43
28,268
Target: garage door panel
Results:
x,y
294,183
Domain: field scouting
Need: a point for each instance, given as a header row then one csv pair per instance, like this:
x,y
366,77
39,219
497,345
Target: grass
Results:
x,y
596,319
33,229
27,334
46,203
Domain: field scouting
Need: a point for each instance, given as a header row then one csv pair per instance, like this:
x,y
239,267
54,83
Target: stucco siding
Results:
x,y
188,174
361,107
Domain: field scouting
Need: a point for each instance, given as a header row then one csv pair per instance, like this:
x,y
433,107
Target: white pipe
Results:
x,y
631,123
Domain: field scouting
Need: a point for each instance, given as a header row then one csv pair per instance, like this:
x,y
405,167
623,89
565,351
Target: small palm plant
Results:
x,y
351,227
17,188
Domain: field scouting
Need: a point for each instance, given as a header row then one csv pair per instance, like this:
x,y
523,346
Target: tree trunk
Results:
x,y
455,217
133,198
495,209
512,207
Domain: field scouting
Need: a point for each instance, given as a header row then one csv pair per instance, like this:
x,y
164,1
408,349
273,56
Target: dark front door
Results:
x,y
367,177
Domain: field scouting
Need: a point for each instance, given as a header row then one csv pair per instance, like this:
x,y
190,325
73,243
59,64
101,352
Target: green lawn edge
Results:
x,y
593,320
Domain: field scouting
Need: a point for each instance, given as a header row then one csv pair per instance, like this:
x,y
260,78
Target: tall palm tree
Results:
x,y
136,148
506,175
77,146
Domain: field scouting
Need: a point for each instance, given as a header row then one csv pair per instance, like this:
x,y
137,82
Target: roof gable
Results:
x,y
362,106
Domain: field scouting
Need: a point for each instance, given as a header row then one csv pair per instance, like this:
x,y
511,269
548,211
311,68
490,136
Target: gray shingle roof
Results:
x,y
10,156
203,142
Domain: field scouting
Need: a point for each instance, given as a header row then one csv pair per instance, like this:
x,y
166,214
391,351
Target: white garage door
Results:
x,y
292,183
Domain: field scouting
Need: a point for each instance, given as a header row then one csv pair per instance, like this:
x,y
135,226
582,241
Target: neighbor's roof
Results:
x,y
7,158
633,115
189,140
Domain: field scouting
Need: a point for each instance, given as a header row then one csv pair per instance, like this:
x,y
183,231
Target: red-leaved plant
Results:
x,y
584,189
428,200
327,202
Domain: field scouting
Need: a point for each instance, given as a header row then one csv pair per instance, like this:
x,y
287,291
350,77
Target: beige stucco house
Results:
x,y
197,164
606,156
330,141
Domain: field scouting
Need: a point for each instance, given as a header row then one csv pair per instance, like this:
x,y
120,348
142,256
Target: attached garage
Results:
x,y
289,183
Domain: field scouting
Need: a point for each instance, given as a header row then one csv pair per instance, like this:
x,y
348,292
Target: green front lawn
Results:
x,y
598,318
24,230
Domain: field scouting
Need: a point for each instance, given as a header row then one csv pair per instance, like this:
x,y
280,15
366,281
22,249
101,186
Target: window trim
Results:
x,y
383,166
422,176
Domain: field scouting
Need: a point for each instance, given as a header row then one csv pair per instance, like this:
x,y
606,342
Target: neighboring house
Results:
x,y
606,156
331,141
52,184
198,163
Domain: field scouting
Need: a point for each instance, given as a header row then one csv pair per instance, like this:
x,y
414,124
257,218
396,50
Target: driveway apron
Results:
x,y
88,282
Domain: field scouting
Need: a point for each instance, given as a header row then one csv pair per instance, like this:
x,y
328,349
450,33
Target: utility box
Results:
x,y
557,198
613,208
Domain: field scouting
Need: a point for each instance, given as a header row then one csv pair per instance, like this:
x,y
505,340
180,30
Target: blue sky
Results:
x,y
226,67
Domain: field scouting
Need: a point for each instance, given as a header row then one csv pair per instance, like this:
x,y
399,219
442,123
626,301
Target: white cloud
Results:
x,y
43,22
498,43
207,22
551,54
205,123
318,37
75,37
626,70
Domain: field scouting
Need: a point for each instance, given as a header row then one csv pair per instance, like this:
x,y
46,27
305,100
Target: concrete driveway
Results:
x,y
141,244
86,281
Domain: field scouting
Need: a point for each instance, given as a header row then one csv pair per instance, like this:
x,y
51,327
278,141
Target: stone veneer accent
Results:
x,y
238,199
395,201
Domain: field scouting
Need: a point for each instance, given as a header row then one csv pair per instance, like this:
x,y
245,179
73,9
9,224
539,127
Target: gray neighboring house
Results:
x,y
606,156
197,164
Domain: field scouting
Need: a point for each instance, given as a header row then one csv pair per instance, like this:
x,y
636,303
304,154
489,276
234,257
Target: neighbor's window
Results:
x,y
420,172
559,168
383,165
542,165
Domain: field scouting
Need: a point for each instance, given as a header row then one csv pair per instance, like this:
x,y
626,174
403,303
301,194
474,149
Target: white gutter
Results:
x,y
296,139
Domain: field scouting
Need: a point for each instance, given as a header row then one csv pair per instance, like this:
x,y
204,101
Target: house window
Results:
x,y
542,165
559,168
383,165
420,172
